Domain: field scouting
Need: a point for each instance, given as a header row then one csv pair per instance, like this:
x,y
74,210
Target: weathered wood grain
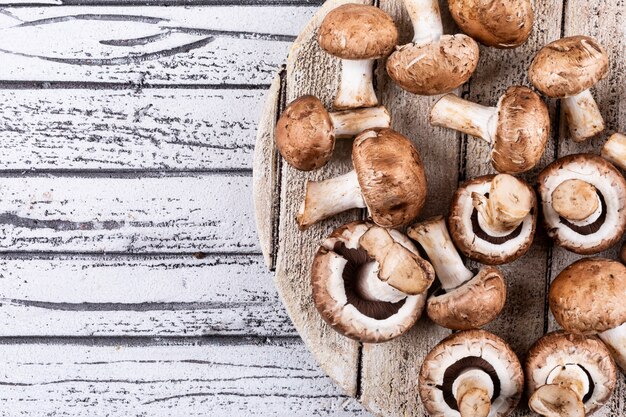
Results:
x,y
173,378
389,386
147,45
183,214
605,22
139,296
146,129
338,356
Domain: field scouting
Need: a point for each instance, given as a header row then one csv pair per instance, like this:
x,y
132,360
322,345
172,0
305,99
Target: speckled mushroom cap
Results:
x,y
472,305
305,135
589,296
470,349
609,227
568,66
477,244
497,23
434,68
391,175
522,131
336,297
357,31
559,349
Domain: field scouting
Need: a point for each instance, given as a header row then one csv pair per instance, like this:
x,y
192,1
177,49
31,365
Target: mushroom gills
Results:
x,y
356,88
583,116
615,339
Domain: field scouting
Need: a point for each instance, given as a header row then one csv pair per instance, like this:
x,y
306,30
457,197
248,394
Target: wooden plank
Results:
x,y
147,45
148,129
337,355
184,214
387,387
139,296
168,378
604,22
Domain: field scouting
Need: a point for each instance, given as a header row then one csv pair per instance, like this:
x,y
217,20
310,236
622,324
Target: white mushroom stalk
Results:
x,y
583,116
508,204
577,201
465,116
563,394
356,87
426,18
330,197
449,267
473,390
615,339
350,123
614,150
372,288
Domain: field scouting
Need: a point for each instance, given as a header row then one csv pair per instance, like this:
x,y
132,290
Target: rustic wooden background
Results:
x,y
131,278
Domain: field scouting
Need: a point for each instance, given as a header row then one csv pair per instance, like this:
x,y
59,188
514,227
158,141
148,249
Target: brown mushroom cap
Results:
x,y
470,349
501,24
477,244
434,68
558,349
569,66
604,232
357,31
473,304
589,296
391,175
305,135
522,131
336,295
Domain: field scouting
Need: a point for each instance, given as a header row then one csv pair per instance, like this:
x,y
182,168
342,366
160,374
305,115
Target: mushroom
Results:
x,y
622,253
388,178
472,373
583,198
306,132
567,68
588,297
433,63
517,129
569,375
358,34
370,283
501,24
493,219
468,301
614,150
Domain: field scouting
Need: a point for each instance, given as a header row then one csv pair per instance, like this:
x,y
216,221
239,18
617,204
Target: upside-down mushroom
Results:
x,y
567,68
493,218
370,283
472,373
306,132
569,375
496,23
589,297
583,198
433,63
468,301
614,150
388,178
517,129
358,34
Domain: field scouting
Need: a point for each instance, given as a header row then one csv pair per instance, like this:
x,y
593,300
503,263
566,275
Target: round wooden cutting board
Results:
x,y
384,377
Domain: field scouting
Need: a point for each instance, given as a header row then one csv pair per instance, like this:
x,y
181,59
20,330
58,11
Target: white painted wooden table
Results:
x,y
131,279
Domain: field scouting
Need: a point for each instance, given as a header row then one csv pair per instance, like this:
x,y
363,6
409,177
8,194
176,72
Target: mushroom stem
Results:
x,y
324,199
614,150
473,119
577,201
570,376
350,123
434,237
508,204
553,400
583,116
472,390
426,19
371,287
356,88
615,339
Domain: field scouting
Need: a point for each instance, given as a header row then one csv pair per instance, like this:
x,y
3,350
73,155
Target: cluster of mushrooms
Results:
x,y
371,282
